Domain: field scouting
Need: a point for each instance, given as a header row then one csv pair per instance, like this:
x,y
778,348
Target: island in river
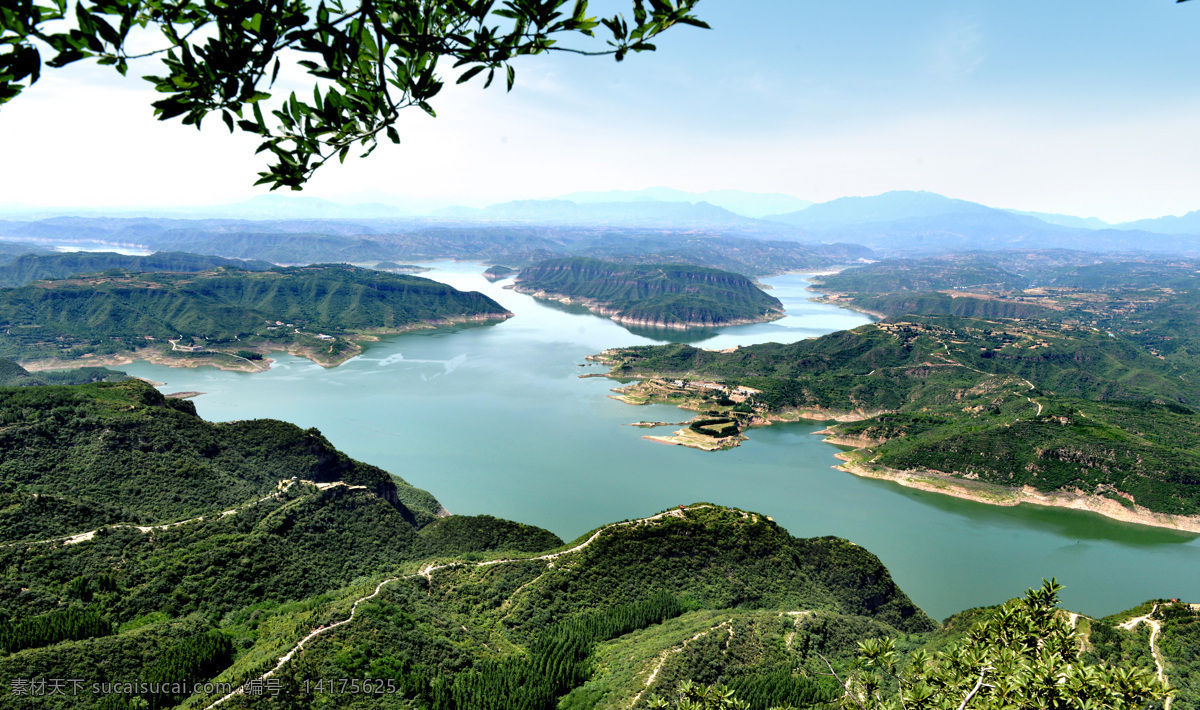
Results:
x,y
225,317
673,296
497,272
1001,410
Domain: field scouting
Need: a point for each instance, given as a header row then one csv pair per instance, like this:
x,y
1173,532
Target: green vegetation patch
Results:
x,y
223,309
1009,402
484,533
666,295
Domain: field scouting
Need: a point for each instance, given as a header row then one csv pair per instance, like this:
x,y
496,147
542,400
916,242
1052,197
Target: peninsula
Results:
x,y
676,296
227,317
999,410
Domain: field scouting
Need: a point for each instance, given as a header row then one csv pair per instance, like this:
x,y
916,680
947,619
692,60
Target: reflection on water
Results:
x,y
495,419
660,335
674,335
1072,525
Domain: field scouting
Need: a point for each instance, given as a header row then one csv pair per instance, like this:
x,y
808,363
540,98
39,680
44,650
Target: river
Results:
x,y
495,419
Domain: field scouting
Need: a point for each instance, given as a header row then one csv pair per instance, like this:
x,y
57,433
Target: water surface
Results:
x,y
495,419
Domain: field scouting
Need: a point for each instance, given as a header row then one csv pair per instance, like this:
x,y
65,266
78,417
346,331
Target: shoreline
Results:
x,y
992,494
628,394
154,356
692,440
219,359
834,298
601,309
929,481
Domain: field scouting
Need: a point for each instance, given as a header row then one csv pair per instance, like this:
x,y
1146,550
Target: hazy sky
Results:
x,y
1087,108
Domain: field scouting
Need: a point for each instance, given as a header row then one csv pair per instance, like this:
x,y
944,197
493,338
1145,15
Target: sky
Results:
x,y
1087,108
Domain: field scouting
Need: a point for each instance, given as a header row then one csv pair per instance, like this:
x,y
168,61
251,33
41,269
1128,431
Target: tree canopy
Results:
x,y
1025,656
369,60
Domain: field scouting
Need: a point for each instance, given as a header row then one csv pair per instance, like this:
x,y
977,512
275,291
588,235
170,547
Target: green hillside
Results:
x,y
280,248
1010,271
659,295
35,267
226,311
278,533
13,375
278,537
1007,402
123,448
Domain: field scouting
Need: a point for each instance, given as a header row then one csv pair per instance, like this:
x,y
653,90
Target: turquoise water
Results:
x,y
495,419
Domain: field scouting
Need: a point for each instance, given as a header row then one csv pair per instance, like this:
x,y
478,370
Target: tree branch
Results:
x,y
978,684
845,685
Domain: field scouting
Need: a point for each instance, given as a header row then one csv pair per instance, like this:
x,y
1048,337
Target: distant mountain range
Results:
x,y
925,222
644,213
893,223
1066,220
1186,224
754,253
888,207
746,204
378,205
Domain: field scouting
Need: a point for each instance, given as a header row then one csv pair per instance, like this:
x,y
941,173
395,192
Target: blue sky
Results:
x,y
1088,108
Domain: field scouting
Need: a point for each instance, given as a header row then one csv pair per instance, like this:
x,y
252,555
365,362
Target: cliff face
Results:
x,y
658,295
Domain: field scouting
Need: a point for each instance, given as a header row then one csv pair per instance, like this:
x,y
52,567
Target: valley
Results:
x,y
540,355
524,373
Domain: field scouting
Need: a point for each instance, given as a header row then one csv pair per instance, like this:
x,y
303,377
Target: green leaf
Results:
x,y
469,74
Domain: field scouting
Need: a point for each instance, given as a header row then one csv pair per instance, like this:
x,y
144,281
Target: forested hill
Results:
x,y
13,375
277,533
1015,271
227,310
657,295
1154,303
120,452
1014,403
34,267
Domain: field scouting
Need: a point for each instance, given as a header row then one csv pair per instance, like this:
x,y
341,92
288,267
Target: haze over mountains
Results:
x,y
676,215
746,204
899,222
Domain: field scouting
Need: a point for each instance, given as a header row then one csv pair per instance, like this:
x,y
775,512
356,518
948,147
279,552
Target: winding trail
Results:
x,y
85,536
175,347
662,657
1155,628
427,573
1031,399
1032,387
